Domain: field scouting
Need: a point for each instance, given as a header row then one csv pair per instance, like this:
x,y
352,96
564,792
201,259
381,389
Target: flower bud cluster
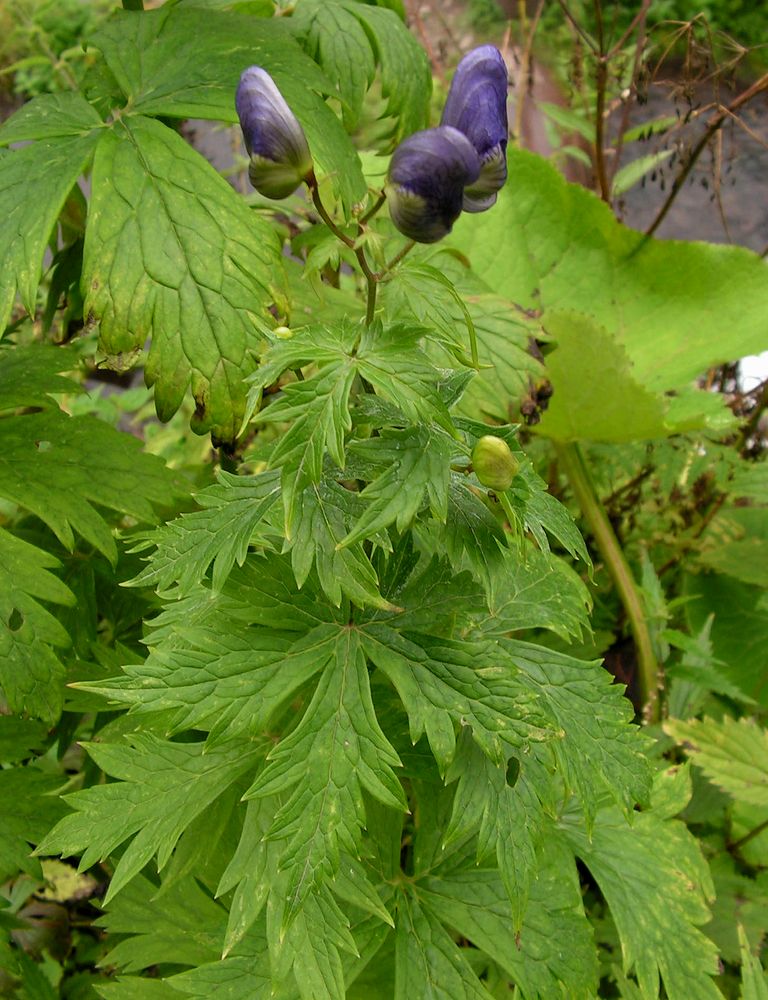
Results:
x,y
433,175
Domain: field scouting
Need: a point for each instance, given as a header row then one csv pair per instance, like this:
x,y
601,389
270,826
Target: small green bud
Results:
x,y
494,464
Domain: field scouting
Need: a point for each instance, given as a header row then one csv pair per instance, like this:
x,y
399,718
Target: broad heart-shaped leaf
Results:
x,y
597,394
59,467
172,253
551,245
657,884
553,953
336,751
348,39
732,754
34,184
29,373
155,56
220,534
163,787
31,674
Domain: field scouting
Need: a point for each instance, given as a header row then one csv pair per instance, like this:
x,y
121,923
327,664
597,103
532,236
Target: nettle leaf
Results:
x,y
34,183
219,535
445,683
349,39
536,590
416,462
59,467
30,374
553,953
29,808
163,787
732,754
31,673
155,56
600,753
548,244
171,254
325,514
657,884
319,410
336,751
429,963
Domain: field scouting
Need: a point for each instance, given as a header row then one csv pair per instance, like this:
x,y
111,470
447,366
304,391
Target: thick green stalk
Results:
x,y
573,464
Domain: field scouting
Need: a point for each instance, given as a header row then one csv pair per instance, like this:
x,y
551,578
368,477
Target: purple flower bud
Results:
x,y
477,106
427,177
280,157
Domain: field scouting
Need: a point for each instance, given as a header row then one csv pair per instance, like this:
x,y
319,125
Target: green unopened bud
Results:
x,y
494,464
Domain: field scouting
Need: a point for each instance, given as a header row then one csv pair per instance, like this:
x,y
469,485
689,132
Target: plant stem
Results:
x,y
397,258
717,122
525,65
370,277
133,4
574,465
754,832
374,209
601,85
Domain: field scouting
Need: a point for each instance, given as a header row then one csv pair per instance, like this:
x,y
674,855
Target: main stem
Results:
x,y
574,465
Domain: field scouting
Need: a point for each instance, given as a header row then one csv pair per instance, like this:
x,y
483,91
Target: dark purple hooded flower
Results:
x,y
280,157
477,107
428,174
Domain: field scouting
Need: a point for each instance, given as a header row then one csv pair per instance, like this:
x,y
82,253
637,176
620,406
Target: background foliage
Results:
x,y
292,704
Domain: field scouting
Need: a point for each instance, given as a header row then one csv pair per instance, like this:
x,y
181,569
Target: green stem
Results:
x,y
376,206
133,4
397,258
574,465
323,213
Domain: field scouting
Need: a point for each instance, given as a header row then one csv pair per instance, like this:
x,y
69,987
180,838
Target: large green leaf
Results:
x,y
29,374
473,902
34,184
171,253
158,61
549,245
50,116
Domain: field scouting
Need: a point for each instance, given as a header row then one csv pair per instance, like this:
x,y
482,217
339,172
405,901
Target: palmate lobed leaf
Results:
x,y
164,786
349,39
34,184
155,57
30,374
657,884
59,467
218,536
31,673
157,211
336,751
552,954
